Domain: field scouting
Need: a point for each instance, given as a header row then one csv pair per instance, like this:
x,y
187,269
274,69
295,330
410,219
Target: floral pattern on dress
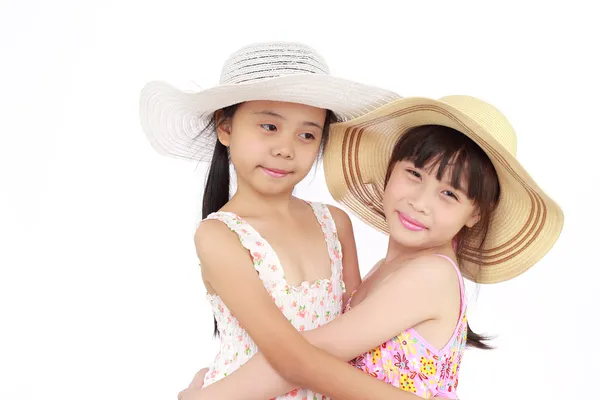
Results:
x,y
306,306
410,363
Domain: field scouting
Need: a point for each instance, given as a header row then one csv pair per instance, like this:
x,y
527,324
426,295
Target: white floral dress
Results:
x,y
307,306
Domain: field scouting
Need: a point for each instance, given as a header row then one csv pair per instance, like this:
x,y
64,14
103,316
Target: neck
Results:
x,y
248,201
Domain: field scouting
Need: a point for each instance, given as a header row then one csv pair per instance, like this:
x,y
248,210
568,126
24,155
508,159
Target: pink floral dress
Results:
x,y
410,363
307,306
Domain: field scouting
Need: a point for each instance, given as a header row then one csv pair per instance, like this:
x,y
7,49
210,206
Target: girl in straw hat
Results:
x,y
271,263
440,177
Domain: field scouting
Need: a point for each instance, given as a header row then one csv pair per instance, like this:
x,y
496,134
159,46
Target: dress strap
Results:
x,y
334,246
460,281
265,261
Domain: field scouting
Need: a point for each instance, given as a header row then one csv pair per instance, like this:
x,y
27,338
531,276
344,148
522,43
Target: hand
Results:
x,y
188,394
198,380
194,386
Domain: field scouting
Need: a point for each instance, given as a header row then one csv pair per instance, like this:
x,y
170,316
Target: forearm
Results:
x,y
258,380
336,379
255,380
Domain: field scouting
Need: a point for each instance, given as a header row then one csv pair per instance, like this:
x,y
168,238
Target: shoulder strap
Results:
x,y
325,219
262,258
334,246
463,302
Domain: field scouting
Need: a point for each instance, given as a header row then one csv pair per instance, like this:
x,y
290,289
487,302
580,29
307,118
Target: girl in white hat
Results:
x,y
441,178
271,263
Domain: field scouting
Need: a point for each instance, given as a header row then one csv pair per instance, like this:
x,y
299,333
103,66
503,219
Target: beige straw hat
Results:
x,y
279,71
526,223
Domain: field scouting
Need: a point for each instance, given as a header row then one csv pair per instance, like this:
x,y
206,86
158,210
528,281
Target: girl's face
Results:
x,y
273,145
422,211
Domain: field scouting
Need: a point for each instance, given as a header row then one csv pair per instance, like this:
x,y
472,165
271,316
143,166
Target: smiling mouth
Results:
x,y
275,173
411,223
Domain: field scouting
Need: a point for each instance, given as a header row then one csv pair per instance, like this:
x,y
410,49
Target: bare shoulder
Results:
x,y
213,238
432,269
340,218
212,232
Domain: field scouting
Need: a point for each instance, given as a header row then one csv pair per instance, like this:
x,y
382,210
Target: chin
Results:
x,y
410,244
275,189
406,238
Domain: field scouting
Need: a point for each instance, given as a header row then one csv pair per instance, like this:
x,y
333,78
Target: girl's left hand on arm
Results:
x,y
196,383
189,394
198,380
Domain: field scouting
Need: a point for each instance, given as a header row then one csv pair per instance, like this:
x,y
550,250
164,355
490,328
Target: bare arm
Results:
x,y
258,380
351,272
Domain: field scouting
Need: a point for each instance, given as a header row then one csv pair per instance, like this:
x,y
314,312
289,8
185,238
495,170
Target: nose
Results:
x,y
284,146
419,200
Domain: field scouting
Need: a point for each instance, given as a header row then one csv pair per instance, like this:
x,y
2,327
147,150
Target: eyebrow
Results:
x,y
274,114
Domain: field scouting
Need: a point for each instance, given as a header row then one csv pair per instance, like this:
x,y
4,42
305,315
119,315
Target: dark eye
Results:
x,y
414,173
269,127
308,136
450,194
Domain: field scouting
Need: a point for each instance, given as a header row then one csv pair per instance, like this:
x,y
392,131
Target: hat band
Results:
x,y
265,66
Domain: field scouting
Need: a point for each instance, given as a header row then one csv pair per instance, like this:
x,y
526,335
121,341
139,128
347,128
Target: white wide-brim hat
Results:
x,y
173,120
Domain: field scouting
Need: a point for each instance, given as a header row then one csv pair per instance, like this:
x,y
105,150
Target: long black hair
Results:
x,y
218,185
435,146
216,189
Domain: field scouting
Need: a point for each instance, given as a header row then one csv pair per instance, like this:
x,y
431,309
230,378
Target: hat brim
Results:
x,y
525,224
173,119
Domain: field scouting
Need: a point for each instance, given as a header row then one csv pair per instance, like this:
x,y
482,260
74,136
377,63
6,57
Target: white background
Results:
x,y
100,294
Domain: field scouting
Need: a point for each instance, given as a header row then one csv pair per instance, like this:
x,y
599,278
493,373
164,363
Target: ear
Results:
x,y
473,219
223,129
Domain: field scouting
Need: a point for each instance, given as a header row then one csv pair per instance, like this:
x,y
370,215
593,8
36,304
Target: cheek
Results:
x,y
247,144
386,200
396,188
243,157
392,197
255,147
306,155
388,194
451,218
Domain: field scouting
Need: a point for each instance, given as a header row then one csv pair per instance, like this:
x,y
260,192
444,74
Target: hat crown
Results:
x,y
271,60
488,117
